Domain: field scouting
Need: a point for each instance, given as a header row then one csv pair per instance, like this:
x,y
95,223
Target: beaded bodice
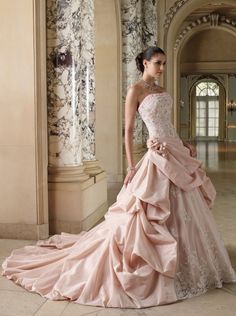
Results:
x,y
155,111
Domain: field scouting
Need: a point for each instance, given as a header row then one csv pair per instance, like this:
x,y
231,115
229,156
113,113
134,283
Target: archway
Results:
x,y
201,58
175,24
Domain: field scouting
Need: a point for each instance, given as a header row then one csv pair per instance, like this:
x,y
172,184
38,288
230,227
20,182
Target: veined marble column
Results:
x,y
71,87
64,108
149,37
87,88
139,30
73,168
131,19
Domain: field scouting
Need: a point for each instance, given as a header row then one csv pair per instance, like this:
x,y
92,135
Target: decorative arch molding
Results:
x,y
212,20
178,5
218,78
177,15
172,11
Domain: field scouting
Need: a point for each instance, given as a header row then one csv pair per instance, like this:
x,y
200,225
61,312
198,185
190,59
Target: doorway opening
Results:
x,y
207,110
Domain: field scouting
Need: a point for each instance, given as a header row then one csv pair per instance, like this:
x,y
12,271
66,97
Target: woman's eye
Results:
x,y
159,63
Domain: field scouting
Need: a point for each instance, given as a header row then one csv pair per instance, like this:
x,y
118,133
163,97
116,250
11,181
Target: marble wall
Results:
x,y
71,84
139,30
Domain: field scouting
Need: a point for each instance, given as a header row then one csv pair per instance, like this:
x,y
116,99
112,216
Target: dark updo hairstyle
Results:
x,y
147,54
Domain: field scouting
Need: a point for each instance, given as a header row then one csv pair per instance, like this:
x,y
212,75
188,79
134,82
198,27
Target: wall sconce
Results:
x,y
62,59
231,106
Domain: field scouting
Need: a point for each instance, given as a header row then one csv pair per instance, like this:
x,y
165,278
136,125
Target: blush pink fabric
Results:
x,y
158,244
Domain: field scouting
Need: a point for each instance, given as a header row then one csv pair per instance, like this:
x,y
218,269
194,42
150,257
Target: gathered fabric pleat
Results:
x,y
139,256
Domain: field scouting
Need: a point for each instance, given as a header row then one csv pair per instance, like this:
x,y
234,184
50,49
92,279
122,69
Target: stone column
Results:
x,y
149,37
64,106
139,30
71,112
87,88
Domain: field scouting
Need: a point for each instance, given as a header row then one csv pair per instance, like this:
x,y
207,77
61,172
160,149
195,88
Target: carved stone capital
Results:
x,y
172,11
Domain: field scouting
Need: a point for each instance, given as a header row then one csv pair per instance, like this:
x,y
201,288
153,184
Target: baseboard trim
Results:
x,y
24,231
75,227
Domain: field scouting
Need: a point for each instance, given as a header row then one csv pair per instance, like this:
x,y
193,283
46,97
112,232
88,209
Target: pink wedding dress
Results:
x,y
158,244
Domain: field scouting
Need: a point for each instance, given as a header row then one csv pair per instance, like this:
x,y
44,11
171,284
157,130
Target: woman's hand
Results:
x,y
129,176
192,149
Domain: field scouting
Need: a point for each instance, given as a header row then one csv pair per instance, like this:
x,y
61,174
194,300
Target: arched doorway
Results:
x,y
201,60
181,20
207,110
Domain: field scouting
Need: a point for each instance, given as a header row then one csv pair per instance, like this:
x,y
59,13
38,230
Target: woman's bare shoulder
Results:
x,y
135,89
133,94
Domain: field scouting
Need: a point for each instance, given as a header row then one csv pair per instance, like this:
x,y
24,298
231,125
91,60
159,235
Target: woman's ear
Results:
x,y
145,63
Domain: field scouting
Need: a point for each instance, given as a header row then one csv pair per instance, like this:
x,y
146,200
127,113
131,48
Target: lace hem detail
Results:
x,y
185,293
203,262
204,278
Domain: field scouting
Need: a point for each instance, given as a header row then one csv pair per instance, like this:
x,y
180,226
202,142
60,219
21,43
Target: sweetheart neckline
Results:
x,y
151,94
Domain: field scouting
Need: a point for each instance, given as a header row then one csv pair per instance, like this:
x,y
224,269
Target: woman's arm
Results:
x,y
131,105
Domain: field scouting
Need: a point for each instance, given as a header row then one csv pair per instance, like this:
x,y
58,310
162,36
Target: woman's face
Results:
x,y
155,66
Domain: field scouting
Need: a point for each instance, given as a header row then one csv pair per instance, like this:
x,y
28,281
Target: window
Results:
x,y
207,88
207,109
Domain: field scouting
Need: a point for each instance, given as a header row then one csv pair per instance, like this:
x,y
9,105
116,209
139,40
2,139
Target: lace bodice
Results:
x,y
155,111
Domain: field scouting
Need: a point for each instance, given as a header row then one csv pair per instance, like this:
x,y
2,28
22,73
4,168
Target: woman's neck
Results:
x,y
148,79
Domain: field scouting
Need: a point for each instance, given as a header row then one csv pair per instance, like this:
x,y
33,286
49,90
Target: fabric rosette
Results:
x,y
157,146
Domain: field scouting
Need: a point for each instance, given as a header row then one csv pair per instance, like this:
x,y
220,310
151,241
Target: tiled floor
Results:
x,y
220,160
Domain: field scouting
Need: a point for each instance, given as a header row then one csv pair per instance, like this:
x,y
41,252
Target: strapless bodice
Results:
x,y
155,111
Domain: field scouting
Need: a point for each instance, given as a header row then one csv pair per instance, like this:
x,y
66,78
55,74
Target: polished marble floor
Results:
x,y
217,156
220,161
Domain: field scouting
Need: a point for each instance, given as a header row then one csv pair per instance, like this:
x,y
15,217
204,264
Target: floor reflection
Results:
x,y
217,155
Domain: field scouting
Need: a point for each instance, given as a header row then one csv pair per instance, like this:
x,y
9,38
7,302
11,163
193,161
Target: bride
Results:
x,y
159,242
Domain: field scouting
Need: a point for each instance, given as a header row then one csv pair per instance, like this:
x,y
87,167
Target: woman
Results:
x,y
158,243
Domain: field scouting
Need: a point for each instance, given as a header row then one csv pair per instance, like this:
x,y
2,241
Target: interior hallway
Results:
x,y
220,160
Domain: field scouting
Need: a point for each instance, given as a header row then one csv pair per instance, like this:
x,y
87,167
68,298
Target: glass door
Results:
x,y
207,110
